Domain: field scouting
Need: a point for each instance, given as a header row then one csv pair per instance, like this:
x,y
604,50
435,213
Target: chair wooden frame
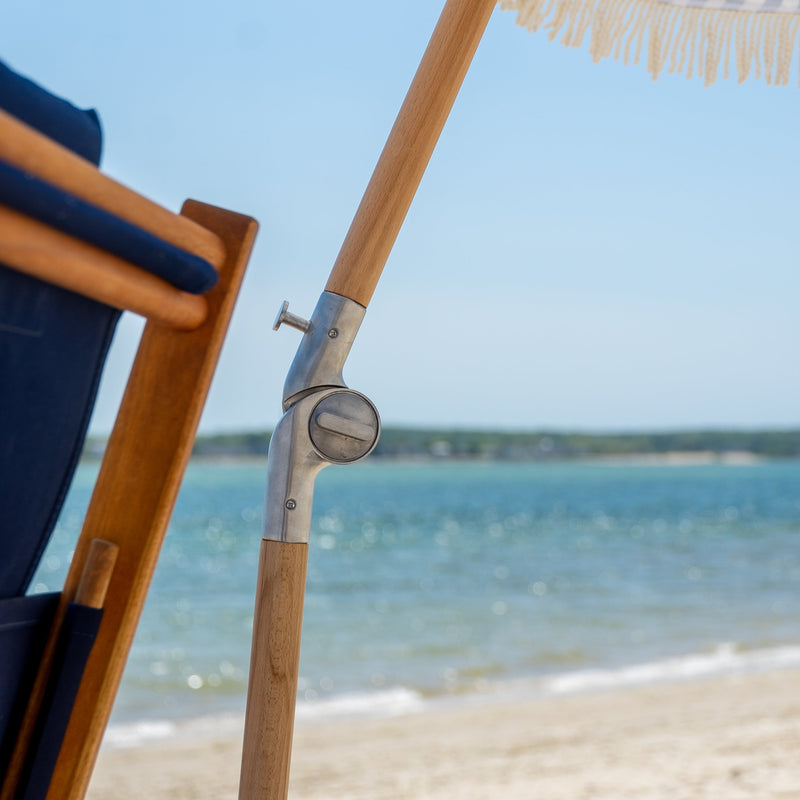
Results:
x,y
155,428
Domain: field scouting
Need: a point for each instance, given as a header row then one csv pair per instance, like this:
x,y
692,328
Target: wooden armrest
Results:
x,y
32,247
32,151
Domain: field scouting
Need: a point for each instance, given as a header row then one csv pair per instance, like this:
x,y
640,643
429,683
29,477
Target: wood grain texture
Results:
x,y
37,249
274,660
137,486
28,149
97,571
408,149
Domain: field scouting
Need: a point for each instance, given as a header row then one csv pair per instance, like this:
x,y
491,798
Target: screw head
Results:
x,y
291,504
344,426
333,333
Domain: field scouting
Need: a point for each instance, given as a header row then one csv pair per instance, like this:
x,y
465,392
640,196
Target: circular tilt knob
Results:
x,y
344,426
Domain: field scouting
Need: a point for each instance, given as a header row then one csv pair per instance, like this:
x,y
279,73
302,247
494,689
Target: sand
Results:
x,y
723,739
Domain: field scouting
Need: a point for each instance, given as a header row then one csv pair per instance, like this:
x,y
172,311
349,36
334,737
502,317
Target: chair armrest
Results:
x,y
35,153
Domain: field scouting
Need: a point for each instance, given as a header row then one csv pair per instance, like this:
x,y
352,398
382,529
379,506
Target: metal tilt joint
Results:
x,y
324,422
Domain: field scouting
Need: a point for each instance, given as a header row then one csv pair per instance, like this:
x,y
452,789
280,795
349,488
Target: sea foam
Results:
x,y
724,659
386,703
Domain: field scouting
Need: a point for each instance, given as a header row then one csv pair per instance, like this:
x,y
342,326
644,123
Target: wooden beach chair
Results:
x,y
76,249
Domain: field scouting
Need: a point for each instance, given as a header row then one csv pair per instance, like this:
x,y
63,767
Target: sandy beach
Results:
x,y
730,737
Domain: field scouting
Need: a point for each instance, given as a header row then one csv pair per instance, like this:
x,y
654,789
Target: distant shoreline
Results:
x,y
671,459
440,445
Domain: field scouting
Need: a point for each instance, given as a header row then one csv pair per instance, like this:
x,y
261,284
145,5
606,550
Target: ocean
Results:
x,y
438,582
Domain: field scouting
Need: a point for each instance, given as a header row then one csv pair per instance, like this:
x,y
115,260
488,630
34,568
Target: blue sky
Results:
x,y
589,249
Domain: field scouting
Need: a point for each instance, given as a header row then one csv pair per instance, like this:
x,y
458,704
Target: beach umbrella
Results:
x,y
324,421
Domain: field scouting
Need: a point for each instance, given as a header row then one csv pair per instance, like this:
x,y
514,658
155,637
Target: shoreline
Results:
x,y
670,458
722,660
733,735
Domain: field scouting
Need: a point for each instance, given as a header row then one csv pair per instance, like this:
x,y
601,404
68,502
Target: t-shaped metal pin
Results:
x,y
285,317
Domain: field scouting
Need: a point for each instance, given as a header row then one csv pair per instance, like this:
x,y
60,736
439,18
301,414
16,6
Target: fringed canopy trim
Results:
x,y
691,38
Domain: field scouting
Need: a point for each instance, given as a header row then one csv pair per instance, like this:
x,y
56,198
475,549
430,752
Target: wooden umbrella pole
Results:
x,y
408,149
282,569
274,661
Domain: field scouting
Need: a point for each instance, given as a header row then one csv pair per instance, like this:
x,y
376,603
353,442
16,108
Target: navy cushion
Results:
x,y
76,129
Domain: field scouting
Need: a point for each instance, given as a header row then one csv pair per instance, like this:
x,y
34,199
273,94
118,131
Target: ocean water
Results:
x,y
440,580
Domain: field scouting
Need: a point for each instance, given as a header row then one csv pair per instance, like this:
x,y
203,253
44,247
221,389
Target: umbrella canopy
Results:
x,y
685,36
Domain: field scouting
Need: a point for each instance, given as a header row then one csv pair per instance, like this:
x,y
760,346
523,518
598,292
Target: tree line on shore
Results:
x,y
440,443
398,442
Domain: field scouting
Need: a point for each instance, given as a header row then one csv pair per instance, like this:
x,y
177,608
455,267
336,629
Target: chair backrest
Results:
x,y
52,347
61,219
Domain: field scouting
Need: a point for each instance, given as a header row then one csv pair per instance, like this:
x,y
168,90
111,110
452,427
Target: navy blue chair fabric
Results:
x,y
52,348
78,633
24,625
71,127
53,345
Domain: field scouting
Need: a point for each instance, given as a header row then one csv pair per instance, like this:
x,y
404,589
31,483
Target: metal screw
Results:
x,y
291,504
333,333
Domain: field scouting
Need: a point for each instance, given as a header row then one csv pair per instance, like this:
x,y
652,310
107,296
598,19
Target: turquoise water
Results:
x,y
432,579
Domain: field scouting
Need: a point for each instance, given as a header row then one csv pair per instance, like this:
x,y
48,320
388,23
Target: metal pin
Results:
x,y
285,317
